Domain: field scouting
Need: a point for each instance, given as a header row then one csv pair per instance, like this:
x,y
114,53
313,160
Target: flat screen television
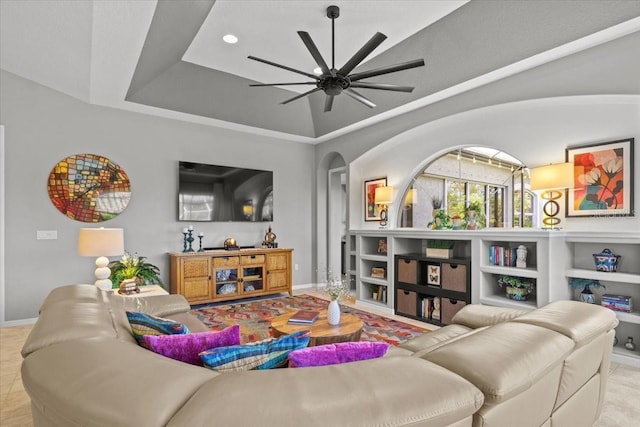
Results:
x,y
224,193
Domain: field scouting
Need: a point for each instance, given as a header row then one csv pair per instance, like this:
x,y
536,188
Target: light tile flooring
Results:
x,y
621,408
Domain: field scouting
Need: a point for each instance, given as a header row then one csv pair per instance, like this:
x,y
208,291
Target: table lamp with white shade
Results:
x,y
102,243
383,197
553,180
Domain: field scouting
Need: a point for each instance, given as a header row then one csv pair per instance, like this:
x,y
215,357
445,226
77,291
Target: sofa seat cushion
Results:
x,y
389,391
333,354
266,354
187,347
579,321
430,340
505,359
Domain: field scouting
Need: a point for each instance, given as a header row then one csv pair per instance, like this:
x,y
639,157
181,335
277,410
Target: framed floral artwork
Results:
x,y
371,210
603,179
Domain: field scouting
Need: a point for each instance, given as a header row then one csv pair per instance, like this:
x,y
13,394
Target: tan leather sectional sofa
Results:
x,y
492,367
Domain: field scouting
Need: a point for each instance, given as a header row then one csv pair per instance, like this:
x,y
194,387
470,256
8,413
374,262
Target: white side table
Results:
x,y
145,291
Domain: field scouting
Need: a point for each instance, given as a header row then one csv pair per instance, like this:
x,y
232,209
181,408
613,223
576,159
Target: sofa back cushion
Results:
x,y
91,319
579,321
505,359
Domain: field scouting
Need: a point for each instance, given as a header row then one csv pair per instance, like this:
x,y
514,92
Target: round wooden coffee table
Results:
x,y
322,332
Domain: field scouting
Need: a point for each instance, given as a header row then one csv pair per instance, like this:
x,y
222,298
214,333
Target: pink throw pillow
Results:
x,y
186,347
332,354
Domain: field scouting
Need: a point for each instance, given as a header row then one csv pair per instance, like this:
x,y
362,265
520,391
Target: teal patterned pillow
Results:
x,y
267,354
145,324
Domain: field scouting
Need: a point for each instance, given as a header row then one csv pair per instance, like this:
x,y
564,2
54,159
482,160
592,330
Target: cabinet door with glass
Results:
x,y
226,276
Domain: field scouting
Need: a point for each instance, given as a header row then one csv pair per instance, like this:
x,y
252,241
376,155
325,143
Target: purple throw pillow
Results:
x,y
186,348
332,354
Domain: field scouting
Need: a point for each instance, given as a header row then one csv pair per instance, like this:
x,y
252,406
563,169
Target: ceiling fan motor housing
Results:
x,y
333,85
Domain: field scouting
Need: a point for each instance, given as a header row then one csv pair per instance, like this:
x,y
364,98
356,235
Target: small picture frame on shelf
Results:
x,y
433,275
382,246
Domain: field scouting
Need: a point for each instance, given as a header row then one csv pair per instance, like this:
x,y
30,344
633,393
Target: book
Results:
x,y
304,317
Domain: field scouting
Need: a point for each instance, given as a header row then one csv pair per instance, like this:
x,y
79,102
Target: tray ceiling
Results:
x,y
168,58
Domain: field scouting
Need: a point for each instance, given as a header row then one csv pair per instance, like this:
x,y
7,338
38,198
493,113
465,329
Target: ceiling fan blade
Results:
x,y
386,70
313,49
282,84
364,51
284,67
328,103
382,86
302,95
355,95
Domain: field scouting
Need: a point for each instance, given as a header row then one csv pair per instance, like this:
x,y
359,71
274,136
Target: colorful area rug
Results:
x,y
255,317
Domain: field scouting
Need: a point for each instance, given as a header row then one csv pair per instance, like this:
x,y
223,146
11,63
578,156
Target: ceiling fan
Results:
x,y
336,81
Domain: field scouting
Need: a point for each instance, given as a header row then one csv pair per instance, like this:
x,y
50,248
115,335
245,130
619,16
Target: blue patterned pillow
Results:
x,y
267,354
145,324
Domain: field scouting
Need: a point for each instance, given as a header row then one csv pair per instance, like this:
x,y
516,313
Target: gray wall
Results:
x,y
43,127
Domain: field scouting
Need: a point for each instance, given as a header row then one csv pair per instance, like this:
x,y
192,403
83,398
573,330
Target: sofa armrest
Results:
x,y
477,316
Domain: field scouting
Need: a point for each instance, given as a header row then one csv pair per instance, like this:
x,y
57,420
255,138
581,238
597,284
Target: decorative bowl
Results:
x,y
606,261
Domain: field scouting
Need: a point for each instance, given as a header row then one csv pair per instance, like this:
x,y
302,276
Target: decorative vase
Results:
x,y
333,313
587,296
630,345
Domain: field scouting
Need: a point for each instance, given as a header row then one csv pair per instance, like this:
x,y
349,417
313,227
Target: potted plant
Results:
x,y
134,267
517,288
585,284
439,248
474,216
441,221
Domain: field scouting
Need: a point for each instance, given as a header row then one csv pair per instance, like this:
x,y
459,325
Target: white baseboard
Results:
x,y
21,322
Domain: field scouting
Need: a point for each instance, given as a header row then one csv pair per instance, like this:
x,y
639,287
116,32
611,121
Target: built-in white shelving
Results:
x,y
553,257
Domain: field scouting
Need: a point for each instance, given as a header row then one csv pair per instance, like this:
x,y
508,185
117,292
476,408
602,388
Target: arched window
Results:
x,y
480,180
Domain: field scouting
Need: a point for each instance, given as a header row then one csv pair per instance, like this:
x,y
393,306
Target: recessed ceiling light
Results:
x,y
230,38
317,71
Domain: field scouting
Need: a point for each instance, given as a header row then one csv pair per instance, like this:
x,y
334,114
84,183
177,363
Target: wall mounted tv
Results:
x,y
224,193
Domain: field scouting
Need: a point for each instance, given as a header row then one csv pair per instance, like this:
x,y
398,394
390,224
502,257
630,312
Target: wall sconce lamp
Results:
x,y
101,242
552,179
383,198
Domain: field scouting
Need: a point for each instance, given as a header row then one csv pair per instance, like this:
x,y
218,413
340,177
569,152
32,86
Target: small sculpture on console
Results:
x,y
270,239
230,244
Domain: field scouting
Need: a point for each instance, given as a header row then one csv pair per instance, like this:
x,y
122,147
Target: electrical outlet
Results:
x,y
46,235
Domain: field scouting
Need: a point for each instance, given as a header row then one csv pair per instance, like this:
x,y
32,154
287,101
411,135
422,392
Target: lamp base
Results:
x,y
102,274
551,209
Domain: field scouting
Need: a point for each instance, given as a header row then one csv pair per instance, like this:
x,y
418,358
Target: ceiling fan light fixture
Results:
x,y
230,38
334,81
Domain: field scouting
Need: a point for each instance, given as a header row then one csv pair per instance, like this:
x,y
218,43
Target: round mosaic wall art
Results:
x,y
89,188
